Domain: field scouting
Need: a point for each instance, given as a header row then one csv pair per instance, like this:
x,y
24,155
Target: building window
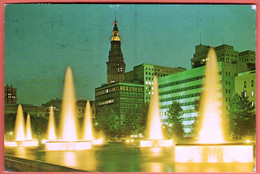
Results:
x,y
252,103
252,83
245,93
244,84
252,93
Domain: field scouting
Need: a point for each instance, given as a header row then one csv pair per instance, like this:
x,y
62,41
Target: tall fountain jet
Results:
x,y
154,129
22,133
154,136
211,146
51,125
68,124
19,131
88,124
68,137
28,132
212,122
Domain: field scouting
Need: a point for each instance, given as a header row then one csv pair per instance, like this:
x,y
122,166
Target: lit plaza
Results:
x,y
151,117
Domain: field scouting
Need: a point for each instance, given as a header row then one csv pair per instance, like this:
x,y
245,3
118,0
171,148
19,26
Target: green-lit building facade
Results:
x,y
246,83
186,87
121,97
144,74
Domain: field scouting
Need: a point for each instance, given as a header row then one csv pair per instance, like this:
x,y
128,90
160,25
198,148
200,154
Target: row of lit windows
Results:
x,y
127,99
252,93
106,102
161,70
158,75
122,88
180,97
181,81
181,104
180,89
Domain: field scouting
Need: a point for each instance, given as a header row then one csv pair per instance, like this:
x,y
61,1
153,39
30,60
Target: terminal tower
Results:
x,y
115,64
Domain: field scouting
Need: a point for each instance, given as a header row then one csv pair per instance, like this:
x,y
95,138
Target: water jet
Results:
x,y
23,138
211,146
154,136
68,137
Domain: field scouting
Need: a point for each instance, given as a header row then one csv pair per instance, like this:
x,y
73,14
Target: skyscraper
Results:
x,y
115,64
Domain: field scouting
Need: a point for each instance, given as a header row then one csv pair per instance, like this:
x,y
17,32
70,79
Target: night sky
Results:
x,y
41,40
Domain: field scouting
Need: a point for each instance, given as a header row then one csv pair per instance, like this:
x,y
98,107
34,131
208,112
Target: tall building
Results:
x,y
10,94
246,82
115,64
186,87
121,97
225,53
144,74
81,107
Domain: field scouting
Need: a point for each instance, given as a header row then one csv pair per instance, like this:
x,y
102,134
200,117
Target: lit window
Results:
x,y
245,93
252,93
252,103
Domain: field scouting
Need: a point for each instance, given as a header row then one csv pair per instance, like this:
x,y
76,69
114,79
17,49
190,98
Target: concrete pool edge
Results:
x,y
26,165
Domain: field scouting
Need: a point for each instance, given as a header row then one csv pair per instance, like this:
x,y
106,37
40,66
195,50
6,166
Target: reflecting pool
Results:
x,y
120,157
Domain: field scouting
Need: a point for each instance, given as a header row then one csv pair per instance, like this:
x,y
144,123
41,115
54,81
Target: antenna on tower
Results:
x,y
115,14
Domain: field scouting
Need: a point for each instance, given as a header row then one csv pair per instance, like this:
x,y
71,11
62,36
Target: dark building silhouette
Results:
x,y
115,64
10,94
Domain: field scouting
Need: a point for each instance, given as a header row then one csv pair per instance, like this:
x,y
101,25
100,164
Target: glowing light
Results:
x,y
99,141
30,143
68,124
88,124
248,141
28,129
10,144
212,147
214,153
51,125
68,145
153,129
212,123
154,133
19,133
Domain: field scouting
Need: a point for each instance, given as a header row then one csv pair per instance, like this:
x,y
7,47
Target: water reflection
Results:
x,y
126,158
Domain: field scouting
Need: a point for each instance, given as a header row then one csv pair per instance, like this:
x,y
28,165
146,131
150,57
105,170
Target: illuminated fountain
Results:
x,y
68,139
51,133
51,126
88,130
22,138
154,136
211,146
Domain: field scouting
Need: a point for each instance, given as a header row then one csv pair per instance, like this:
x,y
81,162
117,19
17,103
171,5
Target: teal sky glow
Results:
x,y
41,40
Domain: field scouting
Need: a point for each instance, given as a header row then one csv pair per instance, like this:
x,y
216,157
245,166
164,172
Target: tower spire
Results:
x,y
115,64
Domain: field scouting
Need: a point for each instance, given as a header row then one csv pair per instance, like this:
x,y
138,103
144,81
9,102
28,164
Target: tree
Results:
x,y
174,118
135,123
195,124
242,116
107,121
